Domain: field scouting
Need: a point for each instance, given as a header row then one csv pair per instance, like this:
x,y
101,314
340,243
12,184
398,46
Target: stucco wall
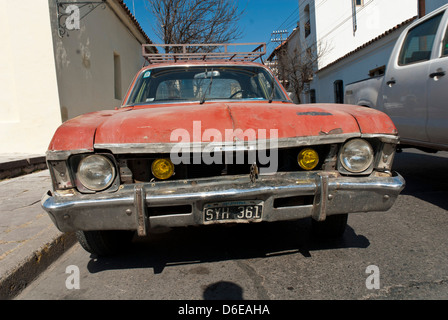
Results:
x,y
46,79
85,62
334,33
334,26
355,67
29,102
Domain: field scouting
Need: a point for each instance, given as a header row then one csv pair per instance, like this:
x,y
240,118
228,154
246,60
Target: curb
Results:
x,y
34,264
15,168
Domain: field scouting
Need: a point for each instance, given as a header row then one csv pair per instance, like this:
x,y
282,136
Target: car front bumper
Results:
x,y
131,207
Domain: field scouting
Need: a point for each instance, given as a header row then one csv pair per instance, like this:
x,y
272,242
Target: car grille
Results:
x,y
137,168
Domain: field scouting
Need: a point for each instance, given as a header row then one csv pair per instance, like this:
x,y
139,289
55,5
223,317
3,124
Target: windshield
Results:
x,y
205,84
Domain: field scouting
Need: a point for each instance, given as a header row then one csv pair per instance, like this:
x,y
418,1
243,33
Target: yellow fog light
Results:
x,y
162,169
308,159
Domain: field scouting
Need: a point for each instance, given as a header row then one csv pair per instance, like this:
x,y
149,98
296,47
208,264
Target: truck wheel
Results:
x,y
104,242
332,227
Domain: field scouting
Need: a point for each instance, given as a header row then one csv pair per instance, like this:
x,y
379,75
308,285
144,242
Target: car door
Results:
x,y
404,94
437,92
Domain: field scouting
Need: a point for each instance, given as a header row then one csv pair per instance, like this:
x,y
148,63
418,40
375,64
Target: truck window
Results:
x,y
445,44
418,43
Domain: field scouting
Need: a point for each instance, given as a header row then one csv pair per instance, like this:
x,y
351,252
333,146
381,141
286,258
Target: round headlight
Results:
x,y
308,159
96,172
356,155
162,169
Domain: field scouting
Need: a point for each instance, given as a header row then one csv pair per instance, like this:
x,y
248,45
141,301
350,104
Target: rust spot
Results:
x,y
334,131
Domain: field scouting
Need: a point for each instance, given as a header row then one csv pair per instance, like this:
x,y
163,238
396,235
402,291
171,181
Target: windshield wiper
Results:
x,y
208,88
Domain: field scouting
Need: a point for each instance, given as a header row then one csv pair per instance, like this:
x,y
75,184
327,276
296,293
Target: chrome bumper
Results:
x,y
130,208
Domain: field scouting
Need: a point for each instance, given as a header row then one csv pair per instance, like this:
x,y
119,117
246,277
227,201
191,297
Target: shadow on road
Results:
x,y
426,178
195,245
223,290
426,175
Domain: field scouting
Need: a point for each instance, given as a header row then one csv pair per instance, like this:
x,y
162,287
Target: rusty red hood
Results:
x,y
165,124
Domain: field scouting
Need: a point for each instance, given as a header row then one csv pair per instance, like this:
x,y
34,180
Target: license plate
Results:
x,y
233,211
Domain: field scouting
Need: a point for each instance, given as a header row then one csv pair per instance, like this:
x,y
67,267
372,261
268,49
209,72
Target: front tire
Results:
x,y
332,227
105,242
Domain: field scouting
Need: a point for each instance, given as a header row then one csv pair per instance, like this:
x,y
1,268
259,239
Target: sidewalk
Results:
x,y
29,241
15,164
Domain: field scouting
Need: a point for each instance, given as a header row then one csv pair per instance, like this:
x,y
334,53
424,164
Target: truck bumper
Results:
x,y
284,196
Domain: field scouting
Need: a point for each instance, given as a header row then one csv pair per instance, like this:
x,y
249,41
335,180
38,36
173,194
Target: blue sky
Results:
x,y
260,19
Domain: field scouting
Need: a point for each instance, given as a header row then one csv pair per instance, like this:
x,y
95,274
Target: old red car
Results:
x,y
214,138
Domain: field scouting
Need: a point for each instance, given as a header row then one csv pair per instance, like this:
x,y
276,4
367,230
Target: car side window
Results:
x,y
419,41
445,44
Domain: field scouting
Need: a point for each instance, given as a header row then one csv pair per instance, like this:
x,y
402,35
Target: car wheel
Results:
x,y
332,227
105,242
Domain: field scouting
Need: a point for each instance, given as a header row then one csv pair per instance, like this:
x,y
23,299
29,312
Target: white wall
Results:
x,y
45,79
333,32
355,67
304,17
29,102
85,62
334,23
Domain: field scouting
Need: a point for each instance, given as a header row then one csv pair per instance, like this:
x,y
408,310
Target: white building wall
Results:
x,y
29,101
334,23
46,79
85,61
307,14
334,32
355,67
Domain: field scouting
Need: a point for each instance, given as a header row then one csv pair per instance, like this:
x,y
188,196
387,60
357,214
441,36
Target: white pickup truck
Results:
x,y
414,88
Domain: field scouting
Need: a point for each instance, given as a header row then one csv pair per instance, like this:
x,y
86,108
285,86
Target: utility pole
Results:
x,y
278,36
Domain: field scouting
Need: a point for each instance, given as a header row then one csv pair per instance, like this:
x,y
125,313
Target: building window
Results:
x,y
307,26
355,5
312,96
338,91
377,72
117,77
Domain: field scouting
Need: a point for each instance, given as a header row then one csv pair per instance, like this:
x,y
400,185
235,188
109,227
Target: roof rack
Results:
x,y
220,51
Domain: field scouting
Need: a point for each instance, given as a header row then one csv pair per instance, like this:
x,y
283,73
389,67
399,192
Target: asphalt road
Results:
x,y
406,247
